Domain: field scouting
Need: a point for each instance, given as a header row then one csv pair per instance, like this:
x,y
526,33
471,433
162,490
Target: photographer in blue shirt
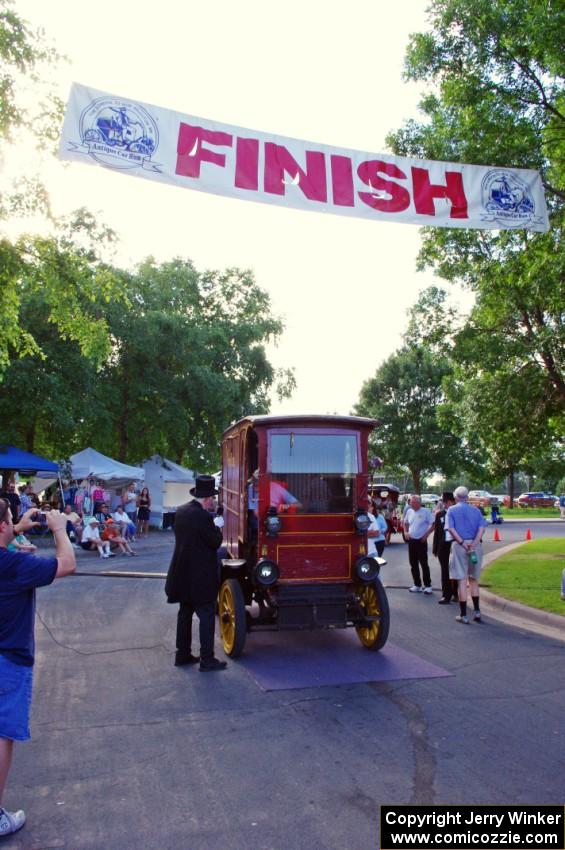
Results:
x,y
20,574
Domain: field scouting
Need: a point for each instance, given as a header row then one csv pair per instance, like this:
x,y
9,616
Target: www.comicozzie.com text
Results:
x,y
442,819
499,835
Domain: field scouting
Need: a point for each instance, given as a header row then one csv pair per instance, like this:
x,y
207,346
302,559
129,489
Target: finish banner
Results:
x,y
159,144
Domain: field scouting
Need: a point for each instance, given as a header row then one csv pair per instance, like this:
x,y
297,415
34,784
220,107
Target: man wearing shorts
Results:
x,y
466,525
20,574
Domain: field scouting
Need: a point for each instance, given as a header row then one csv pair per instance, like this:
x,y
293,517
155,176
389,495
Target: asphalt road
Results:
x,y
131,753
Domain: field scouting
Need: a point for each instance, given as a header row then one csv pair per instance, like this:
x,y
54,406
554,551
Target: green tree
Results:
x,y
27,103
404,395
188,359
44,397
65,266
497,67
66,270
495,70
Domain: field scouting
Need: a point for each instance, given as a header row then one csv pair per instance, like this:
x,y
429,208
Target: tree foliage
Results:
x,y
192,348
496,70
404,395
187,357
74,284
65,267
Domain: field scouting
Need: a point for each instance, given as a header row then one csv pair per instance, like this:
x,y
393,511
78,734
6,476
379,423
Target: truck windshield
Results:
x,y
313,473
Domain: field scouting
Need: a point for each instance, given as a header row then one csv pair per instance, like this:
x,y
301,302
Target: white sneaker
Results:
x,y
428,590
415,589
11,821
104,555
461,618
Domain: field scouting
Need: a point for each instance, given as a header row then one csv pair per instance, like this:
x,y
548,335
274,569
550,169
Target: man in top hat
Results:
x,y
193,580
441,548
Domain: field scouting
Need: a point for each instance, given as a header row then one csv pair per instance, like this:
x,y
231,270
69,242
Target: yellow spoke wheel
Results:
x,y
231,612
374,602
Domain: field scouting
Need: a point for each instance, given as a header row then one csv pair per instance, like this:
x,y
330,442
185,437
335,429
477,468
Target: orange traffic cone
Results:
x,y
496,535
529,534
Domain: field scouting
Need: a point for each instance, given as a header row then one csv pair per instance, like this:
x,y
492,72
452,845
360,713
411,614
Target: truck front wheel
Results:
x,y
231,612
372,598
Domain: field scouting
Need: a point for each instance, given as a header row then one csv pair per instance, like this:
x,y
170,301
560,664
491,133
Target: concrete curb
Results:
x,y
515,613
511,519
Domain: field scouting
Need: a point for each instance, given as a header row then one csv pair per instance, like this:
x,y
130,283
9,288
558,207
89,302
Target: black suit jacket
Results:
x,y
439,541
193,572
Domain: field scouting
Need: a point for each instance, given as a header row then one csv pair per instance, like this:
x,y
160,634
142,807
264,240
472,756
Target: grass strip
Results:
x,y
530,574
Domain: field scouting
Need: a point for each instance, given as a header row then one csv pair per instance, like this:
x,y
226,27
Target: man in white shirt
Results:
x,y
126,526
418,524
130,503
91,539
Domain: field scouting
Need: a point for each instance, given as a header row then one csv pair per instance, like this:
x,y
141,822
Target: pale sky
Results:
x,y
306,69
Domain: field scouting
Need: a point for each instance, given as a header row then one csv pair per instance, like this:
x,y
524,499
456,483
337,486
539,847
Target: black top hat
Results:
x,y
205,486
447,495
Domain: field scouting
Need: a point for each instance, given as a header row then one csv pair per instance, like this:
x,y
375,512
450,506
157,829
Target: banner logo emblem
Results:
x,y
507,199
118,134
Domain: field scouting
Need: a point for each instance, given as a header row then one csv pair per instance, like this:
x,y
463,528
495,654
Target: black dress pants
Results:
x,y
207,619
418,557
447,584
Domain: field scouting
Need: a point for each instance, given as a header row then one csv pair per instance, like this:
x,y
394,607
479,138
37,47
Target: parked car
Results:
x,y
429,498
536,500
482,498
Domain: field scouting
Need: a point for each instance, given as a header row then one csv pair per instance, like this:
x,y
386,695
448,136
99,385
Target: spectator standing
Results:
x,y
97,495
130,503
25,501
441,547
67,496
13,499
418,524
20,575
377,530
562,505
192,579
143,512
466,524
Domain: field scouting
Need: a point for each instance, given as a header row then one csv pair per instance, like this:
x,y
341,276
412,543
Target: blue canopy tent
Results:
x,y
26,463
12,459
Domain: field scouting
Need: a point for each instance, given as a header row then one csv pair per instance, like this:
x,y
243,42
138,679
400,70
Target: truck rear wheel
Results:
x,y
374,602
231,612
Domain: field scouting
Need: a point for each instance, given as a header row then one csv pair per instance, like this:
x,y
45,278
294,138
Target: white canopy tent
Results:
x,y
169,486
92,464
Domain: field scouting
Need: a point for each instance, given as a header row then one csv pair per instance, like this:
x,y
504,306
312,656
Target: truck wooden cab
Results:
x,y
294,493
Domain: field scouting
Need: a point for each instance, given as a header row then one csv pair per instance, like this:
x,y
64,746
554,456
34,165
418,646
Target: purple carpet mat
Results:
x,y
286,660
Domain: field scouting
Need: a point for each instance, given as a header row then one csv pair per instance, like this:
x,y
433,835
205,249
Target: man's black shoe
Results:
x,y
181,660
212,664
444,600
